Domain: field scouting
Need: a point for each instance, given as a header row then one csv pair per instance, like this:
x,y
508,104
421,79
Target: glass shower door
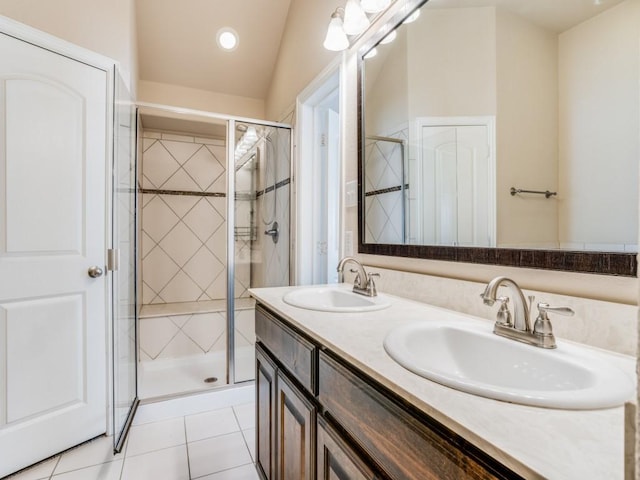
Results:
x,y
122,262
261,249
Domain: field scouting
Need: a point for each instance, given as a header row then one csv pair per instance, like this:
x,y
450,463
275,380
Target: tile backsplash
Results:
x,y
607,325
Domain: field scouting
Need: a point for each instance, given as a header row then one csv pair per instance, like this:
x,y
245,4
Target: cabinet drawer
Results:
x,y
405,446
337,460
294,352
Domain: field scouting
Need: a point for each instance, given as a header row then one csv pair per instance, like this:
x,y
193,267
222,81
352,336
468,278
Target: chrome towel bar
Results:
x,y
546,193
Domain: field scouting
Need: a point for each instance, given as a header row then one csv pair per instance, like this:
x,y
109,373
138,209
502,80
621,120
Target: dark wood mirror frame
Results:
x,y
604,263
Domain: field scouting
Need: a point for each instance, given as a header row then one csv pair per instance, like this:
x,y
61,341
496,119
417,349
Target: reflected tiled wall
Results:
x,y
384,197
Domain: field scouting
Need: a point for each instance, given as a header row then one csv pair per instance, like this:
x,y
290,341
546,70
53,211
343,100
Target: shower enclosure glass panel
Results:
x,y
210,187
262,157
123,263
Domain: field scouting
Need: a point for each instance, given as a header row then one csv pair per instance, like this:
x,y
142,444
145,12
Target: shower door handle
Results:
x,y
95,271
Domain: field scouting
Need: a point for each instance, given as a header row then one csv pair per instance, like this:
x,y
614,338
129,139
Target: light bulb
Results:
x,y
371,53
389,38
374,6
355,20
413,17
336,39
251,135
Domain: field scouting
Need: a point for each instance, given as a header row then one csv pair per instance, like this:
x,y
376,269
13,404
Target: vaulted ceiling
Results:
x,y
177,43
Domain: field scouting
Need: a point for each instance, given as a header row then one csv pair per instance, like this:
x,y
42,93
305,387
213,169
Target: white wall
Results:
x,y
386,81
600,121
108,28
527,132
301,57
452,51
184,97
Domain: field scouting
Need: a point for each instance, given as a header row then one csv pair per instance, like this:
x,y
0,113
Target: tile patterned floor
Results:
x,y
173,440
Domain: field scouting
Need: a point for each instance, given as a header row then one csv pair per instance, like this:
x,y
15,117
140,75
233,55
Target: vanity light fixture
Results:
x,y
355,20
227,39
336,39
351,20
389,38
413,17
246,143
374,6
371,53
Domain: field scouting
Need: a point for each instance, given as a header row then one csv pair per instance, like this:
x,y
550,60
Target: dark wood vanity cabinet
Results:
x,y
285,404
295,432
265,415
317,416
336,460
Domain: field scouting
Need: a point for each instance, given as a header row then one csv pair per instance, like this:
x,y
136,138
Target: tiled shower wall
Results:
x,y
383,193
271,260
184,220
185,335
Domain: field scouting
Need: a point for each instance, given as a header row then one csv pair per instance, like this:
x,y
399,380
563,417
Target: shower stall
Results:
x,y
214,221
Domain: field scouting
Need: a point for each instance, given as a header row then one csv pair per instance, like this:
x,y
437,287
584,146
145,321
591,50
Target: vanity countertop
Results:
x,y
534,442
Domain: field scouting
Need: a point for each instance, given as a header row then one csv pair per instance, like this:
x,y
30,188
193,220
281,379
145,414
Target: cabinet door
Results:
x,y
336,460
265,415
295,432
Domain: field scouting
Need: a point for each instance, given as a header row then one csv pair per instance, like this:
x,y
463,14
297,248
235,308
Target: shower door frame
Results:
x,y
232,120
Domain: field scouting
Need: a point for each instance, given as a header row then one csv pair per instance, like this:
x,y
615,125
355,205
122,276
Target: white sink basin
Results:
x,y
334,299
472,359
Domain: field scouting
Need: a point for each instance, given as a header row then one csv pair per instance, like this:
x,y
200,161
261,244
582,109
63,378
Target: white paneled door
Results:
x,y
53,113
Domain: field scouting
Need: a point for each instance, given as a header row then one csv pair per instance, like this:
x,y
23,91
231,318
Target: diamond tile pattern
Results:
x,y
183,236
184,242
185,335
383,169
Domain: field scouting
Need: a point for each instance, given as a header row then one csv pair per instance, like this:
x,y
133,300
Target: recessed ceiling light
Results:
x,y
227,38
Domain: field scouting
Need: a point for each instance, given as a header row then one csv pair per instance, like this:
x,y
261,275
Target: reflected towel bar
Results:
x,y
546,193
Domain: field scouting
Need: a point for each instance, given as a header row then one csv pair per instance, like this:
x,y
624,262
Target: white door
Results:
x,y
456,203
52,229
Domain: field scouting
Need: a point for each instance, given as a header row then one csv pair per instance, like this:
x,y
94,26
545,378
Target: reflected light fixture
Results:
x,y
413,17
374,6
355,20
371,53
336,39
390,37
246,143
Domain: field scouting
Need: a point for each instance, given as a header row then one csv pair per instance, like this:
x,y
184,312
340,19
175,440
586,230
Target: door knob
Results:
x,y
95,271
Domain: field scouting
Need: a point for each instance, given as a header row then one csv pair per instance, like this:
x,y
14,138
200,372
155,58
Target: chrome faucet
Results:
x,y
363,283
541,335
521,320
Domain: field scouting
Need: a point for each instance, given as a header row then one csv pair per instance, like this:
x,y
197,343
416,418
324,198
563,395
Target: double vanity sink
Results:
x,y
543,413
334,299
464,354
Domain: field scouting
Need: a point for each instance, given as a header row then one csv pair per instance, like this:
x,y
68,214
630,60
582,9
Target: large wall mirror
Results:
x,y
503,132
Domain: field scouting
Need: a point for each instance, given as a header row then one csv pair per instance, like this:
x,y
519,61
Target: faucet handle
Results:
x,y
504,315
542,327
371,286
546,308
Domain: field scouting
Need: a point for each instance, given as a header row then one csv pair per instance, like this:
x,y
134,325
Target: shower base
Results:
x,y
170,377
